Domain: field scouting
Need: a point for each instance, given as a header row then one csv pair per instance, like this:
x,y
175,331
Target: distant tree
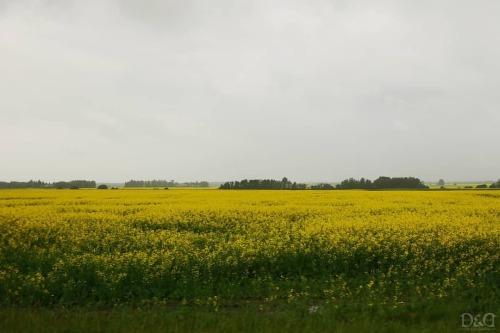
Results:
x,y
382,183
398,182
352,183
285,183
60,185
75,184
482,186
102,187
322,186
441,182
194,184
30,184
262,184
82,184
134,183
164,183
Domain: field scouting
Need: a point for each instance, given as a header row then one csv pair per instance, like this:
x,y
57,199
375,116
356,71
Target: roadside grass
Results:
x,y
277,317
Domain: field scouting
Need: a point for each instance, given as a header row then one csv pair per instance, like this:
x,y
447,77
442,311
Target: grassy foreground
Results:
x,y
247,261
437,318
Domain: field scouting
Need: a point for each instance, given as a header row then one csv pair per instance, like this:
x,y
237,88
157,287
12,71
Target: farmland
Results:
x,y
391,255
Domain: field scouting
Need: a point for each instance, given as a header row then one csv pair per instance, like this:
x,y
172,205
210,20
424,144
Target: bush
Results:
x,y
482,186
102,187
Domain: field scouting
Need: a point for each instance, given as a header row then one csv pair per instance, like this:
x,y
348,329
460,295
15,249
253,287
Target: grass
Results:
x,y
252,318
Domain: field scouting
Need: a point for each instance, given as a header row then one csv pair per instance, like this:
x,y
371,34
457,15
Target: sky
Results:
x,y
313,90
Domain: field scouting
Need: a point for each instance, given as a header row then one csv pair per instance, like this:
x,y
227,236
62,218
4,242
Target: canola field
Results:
x,y
216,248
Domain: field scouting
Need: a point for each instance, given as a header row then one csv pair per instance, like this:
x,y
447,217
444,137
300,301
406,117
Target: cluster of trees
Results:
x,y
75,184
164,183
382,183
263,184
149,183
484,185
322,186
194,184
40,184
30,184
351,183
252,184
494,185
398,182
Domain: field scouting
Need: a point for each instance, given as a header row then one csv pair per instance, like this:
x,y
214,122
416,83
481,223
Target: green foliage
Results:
x,y
398,182
30,184
250,317
382,183
263,184
322,186
75,184
165,183
351,184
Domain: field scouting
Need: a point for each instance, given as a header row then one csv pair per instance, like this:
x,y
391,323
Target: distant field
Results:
x,y
457,186
410,258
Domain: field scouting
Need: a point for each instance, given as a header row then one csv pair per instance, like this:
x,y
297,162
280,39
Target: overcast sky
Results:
x,y
313,90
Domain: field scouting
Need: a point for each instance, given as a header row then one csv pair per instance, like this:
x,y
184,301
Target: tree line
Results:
x,y
245,184
382,183
351,183
263,184
493,185
40,184
164,183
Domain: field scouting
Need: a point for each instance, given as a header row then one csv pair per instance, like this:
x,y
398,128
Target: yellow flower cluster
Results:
x,y
81,246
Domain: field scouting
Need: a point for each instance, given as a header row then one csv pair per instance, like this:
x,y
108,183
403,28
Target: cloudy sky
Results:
x,y
314,90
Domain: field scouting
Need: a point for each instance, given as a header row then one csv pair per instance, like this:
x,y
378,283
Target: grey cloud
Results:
x,y
314,90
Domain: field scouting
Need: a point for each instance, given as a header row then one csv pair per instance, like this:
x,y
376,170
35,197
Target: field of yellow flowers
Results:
x,y
364,248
